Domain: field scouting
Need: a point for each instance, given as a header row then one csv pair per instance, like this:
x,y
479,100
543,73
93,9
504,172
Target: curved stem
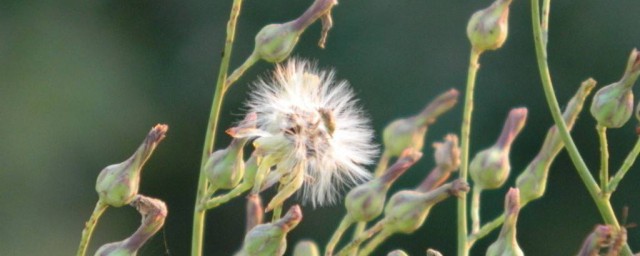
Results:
x,y
89,226
360,227
464,151
604,206
475,209
485,230
355,243
604,158
199,212
626,165
218,200
383,163
375,242
335,238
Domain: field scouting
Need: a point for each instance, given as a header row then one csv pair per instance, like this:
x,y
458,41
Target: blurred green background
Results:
x,y
81,82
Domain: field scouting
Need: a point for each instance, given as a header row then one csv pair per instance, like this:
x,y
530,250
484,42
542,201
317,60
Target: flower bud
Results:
x,y
507,245
432,252
153,213
488,28
306,248
410,132
490,168
270,239
255,213
275,42
398,253
532,182
447,155
366,201
407,210
118,184
613,104
600,238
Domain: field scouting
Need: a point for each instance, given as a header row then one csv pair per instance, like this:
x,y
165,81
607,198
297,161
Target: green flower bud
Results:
x,y
306,248
153,212
447,155
490,168
410,132
532,182
407,210
118,184
275,42
398,253
507,245
270,239
366,201
613,104
432,252
600,238
488,28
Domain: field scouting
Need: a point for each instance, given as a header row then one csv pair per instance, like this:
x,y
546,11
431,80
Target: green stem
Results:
x,y
604,157
374,243
485,230
360,227
544,25
603,205
355,243
89,226
335,238
199,212
383,163
475,209
218,200
626,165
464,151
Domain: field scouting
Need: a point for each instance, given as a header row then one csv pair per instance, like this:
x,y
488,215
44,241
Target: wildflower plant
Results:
x,y
304,132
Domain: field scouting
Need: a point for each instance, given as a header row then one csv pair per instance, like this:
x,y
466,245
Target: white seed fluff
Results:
x,y
321,118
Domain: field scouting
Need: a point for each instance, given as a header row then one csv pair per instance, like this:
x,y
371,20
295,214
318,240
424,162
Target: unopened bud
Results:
x,y
507,245
532,182
255,213
612,105
447,155
410,132
118,184
490,168
432,252
153,213
306,248
488,28
270,239
366,201
397,253
600,238
407,210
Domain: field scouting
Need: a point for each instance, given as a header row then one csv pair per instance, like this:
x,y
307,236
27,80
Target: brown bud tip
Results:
x,y
157,133
291,219
247,125
512,127
458,187
512,201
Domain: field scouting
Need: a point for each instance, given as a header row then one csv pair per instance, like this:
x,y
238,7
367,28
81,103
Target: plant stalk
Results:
x,y
89,226
626,165
604,158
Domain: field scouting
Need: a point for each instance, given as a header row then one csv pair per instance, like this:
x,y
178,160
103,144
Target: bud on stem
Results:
x,y
270,239
507,245
447,155
488,28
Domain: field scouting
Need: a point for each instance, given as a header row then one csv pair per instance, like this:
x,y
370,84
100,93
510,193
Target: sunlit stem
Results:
x,y
375,242
218,200
475,209
89,226
355,243
604,157
626,165
335,238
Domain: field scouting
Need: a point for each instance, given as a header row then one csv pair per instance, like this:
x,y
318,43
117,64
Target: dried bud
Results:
x,y
153,213
398,253
532,182
270,239
507,245
306,248
490,168
407,210
366,201
488,28
613,104
255,213
410,132
600,238
118,184
447,156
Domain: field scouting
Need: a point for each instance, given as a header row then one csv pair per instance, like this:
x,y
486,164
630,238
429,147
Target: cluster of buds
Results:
x,y
488,28
507,243
410,132
270,239
601,237
447,156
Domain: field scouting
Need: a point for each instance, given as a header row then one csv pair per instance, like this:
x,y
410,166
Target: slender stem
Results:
x,y
218,200
277,211
360,227
383,163
464,151
626,165
544,25
374,243
485,230
604,157
335,238
89,226
604,206
475,209
199,212
355,243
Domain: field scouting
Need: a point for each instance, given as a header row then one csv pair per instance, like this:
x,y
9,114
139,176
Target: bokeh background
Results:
x,y
81,82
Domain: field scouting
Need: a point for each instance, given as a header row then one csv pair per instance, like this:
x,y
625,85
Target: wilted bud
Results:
x,y
447,155
488,28
306,248
398,253
153,213
532,182
270,239
410,132
507,245
118,184
600,238
407,210
366,201
490,168
613,104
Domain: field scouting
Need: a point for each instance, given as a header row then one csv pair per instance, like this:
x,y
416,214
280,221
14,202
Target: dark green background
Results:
x,y
81,82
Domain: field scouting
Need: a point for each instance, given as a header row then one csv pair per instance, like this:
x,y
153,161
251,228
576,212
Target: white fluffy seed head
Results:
x,y
321,118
